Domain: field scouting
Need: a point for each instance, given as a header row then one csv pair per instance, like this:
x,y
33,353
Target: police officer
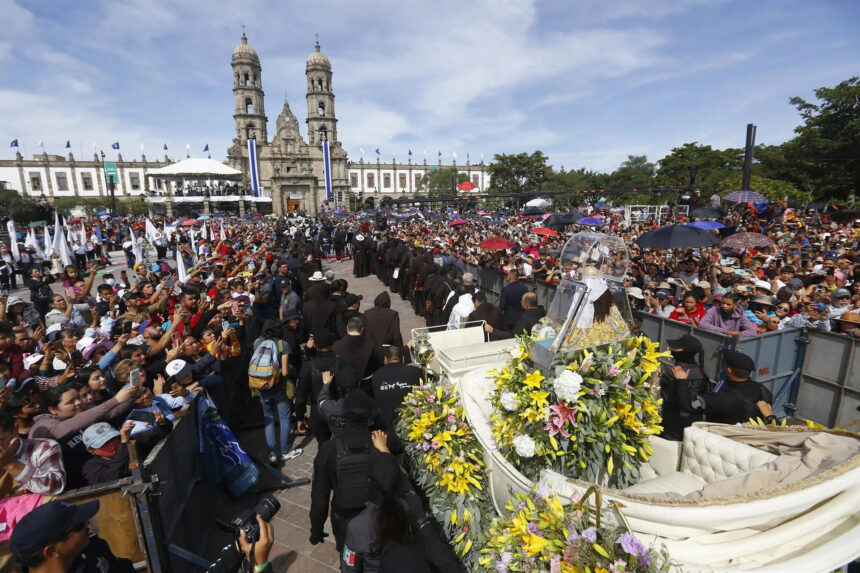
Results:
x,y
311,383
334,411
391,383
678,394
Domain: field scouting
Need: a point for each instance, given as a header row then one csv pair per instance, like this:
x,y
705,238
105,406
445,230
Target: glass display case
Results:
x,y
590,306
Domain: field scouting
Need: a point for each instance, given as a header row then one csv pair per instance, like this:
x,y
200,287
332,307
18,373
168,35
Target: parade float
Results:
x,y
564,423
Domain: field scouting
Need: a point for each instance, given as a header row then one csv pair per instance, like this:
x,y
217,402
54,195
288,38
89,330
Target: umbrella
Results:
x,y
544,231
706,225
189,223
846,215
707,213
465,185
202,217
570,218
456,222
817,205
676,237
744,196
533,211
495,244
747,241
593,221
537,203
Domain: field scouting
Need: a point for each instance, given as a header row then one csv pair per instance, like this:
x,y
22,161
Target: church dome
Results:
x,y
244,49
317,58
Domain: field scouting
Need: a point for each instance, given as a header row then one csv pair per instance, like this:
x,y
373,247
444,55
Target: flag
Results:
x,y
181,273
377,151
410,153
327,169
360,150
206,148
425,154
48,242
13,239
68,144
454,155
165,147
115,145
41,144
187,147
222,236
151,232
439,154
14,143
482,157
135,247
141,147
61,247
252,163
394,153
30,241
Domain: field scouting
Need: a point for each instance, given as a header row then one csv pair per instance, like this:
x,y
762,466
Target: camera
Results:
x,y
247,520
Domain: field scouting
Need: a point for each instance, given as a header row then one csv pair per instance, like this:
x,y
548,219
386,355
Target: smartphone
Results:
x,y
69,292
176,339
225,325
134,377
142,416
4,291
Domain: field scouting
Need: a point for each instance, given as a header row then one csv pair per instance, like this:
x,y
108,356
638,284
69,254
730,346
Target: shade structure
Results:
x,y
747,241
495,244
677,237
456,223
745,196
591,221
196,167
465,185
533,211
538,203
707,213
706,225
544,231
845,216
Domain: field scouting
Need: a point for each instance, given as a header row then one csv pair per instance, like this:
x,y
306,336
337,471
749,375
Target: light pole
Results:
x,y
110,185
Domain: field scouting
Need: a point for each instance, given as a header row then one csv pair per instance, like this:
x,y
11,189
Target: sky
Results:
x,y
588,82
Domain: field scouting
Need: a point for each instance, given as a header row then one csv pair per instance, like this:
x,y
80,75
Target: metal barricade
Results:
x,y
714,344
829,391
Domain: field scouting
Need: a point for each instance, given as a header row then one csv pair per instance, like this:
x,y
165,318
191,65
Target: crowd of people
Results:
x,y
96,363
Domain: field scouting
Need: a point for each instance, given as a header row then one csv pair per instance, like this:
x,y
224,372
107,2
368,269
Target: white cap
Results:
x,y
762,284
31,359
635,292
56,327
177,369
84,342
59,364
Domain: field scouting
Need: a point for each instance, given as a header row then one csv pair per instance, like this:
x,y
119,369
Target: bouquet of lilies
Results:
x,y
447,462
588,416
539,534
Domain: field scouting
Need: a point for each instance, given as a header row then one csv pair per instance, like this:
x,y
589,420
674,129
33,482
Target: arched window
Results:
x,y
249,106
238,80
247,79
319,85
321,109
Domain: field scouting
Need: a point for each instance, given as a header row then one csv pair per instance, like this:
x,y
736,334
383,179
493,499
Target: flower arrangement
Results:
x,y
588,416
539,534
447,463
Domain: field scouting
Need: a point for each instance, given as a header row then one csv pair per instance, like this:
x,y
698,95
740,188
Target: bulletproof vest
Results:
x,y
353,471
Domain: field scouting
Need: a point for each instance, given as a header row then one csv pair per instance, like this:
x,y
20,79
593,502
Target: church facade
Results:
x,y
290,168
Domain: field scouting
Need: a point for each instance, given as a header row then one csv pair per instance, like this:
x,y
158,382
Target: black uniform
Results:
x,y
390,385
308,390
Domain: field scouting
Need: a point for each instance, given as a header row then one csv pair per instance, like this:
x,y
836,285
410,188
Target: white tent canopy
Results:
x,y
196,168
538,203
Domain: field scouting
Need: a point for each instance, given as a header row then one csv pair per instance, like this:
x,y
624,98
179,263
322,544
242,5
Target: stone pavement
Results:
x,y
292,551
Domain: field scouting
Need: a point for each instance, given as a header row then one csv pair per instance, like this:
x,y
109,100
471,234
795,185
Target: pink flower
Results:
x,y
614,371
559,416
451,419
435,444
431,397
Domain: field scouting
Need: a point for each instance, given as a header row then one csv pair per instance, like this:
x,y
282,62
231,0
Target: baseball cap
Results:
x,y
794,285
662,293
98,435
687,343
841,293
47,523
291,315
703,284
740,360
323,337
635,292
31,359
763,285
178,369
351,299
831,255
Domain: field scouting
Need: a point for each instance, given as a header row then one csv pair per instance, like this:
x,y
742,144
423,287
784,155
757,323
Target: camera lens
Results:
x,y
267,508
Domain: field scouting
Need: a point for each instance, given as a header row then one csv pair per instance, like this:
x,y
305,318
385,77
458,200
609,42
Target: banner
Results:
x,y
252,160
13,240
327,164
61,247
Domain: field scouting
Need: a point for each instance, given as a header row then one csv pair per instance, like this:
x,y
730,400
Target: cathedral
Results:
x,y
292,169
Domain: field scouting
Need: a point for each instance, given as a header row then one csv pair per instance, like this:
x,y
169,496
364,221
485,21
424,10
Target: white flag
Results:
x,y
135,247
151,232
222,236
84,236
361,150
41,144
30,241
49,243
454,154
180,268
13,240
141,147
61,247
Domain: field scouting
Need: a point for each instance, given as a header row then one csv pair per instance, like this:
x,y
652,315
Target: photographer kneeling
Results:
x,y
250,552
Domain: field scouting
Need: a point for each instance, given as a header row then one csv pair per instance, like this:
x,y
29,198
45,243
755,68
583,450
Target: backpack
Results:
x,y
264,370
353,472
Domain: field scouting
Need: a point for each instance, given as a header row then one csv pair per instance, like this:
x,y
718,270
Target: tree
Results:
x,y
442,182
519,173
711,167
827,147
636,172
19,208
773,189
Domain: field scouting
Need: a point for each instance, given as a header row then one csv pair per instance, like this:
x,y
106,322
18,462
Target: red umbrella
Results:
x,y
465,186
457,223
495,244
189,223
544,231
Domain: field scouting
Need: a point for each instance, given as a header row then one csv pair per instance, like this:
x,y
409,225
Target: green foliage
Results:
x,y
636,172
712,167
21,209
442,182
773,189
132,207
519,173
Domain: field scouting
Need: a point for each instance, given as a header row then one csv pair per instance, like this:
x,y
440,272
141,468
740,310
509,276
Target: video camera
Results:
x,y
247,520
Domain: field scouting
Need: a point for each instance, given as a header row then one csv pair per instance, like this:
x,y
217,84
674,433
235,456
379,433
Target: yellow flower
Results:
x,y
539,398
533,544
441,437
533,380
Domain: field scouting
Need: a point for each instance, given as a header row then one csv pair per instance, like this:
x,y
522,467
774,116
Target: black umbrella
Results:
x,y
677,237
561,219
846,215
707,213
533,211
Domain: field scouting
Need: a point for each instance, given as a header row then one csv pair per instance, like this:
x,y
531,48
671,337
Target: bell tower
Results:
x,y
250,113
322,122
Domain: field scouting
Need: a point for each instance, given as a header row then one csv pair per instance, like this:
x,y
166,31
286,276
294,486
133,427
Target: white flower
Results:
x,y
516,352
568,385
524,446
509,401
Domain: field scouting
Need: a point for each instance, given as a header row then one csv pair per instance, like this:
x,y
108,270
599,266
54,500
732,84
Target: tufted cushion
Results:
x,y
674,482
715,458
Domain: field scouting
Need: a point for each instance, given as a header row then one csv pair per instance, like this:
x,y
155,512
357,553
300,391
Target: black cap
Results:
x,y
351,299
358,406
687,343
739,360
291,314
323,337
47,523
